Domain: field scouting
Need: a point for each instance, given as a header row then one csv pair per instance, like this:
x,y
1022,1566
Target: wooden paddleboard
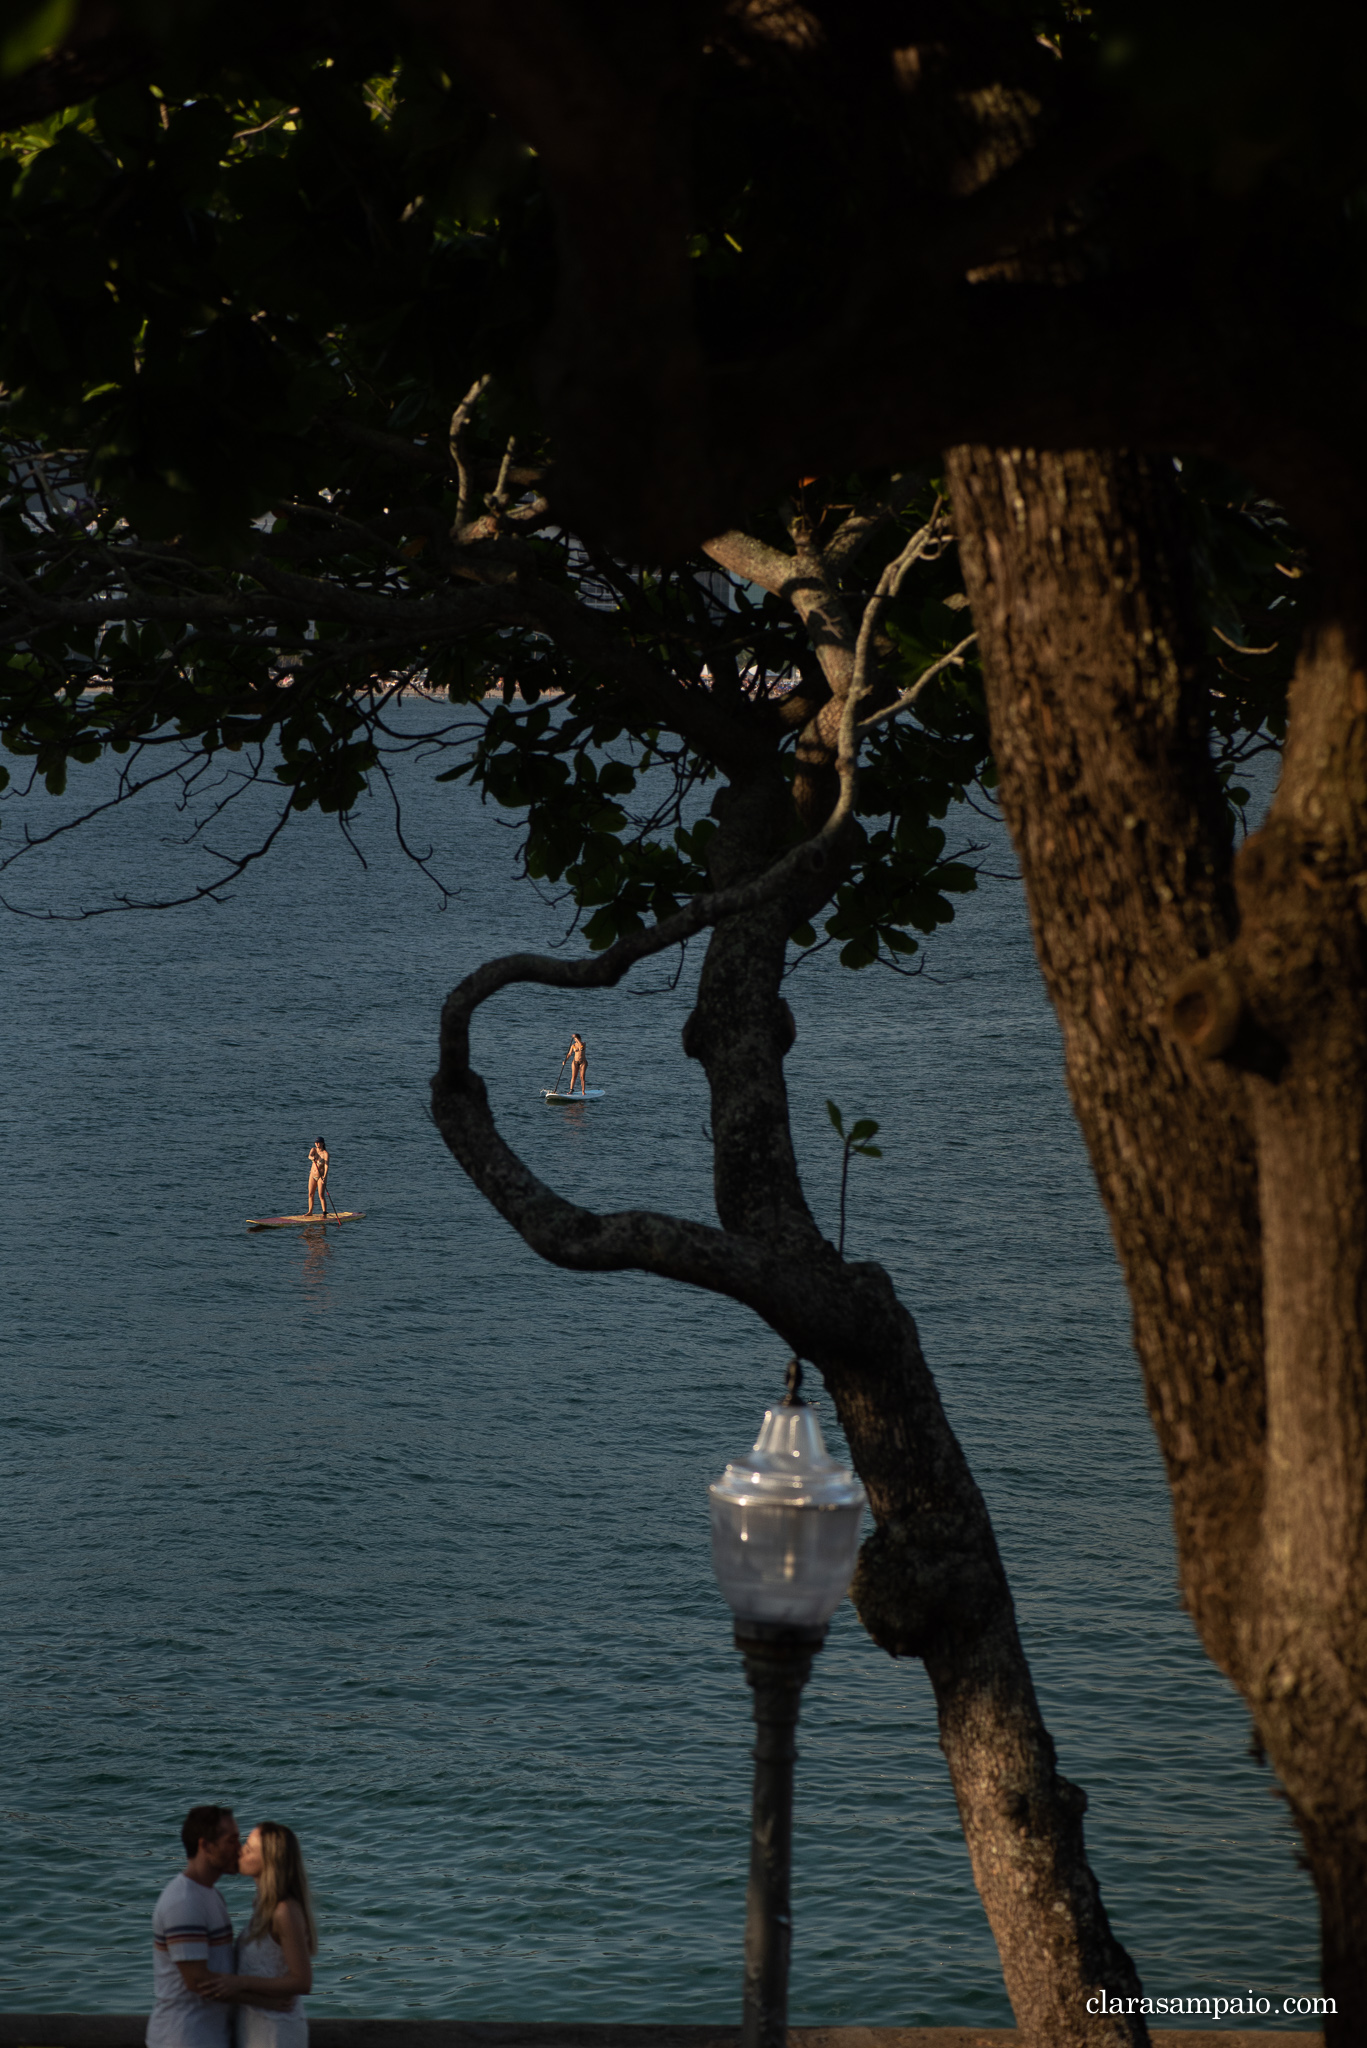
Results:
x,y
284,1222
589,1095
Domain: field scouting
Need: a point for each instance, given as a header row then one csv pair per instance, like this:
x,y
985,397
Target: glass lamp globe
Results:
x,y
785,1523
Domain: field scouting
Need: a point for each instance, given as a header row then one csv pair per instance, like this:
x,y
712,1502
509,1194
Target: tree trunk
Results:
x,y
1300,967
1217,1060
930,1581
1072,564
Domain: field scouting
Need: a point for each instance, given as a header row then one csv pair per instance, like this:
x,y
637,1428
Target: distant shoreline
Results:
x,y
379,688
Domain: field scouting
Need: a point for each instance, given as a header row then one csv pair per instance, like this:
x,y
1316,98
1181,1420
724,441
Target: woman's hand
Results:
x,y
219,1984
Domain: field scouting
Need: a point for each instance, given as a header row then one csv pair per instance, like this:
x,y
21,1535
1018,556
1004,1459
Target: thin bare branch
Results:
x,y
213,891
285,114
888,585
954,659
455,438
500,495
331,517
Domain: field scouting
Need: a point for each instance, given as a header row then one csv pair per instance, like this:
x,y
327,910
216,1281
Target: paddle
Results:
x,y
326,1199
563,1064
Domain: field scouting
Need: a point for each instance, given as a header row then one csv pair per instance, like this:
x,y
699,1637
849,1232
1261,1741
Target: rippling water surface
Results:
x,y
399,1535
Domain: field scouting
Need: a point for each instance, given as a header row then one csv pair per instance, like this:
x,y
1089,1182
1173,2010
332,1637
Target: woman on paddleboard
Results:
x,y
579,1062
318,1174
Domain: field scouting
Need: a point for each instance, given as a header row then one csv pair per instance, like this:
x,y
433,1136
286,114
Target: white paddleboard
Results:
x,y
589,1095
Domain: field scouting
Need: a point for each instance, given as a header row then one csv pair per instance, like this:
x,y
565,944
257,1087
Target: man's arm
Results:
x,y
194,1973
290,1931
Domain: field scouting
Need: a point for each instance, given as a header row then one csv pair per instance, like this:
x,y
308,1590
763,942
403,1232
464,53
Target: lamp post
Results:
x,y
785,1536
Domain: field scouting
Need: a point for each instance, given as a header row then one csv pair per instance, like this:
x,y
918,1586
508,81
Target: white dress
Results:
x,y
260,1955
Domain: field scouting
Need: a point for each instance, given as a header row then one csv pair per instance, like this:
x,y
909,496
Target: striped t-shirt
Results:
x,y
189,1921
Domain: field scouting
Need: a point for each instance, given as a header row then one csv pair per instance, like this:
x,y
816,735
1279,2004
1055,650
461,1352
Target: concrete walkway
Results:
x,y
125,2030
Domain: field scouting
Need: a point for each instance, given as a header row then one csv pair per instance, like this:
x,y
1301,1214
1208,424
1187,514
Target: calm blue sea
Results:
x,y
399,1536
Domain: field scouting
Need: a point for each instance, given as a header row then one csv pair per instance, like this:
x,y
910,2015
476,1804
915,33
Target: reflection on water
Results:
x,y
573,1116
317,1255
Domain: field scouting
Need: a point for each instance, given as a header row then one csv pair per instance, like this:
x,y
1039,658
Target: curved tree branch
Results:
x,y
606,969
753,560
930,1582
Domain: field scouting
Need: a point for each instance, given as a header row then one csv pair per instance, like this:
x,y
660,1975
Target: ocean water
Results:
x,y
398,1535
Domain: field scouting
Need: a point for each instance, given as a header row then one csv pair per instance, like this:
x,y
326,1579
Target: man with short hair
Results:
x,y
192,1937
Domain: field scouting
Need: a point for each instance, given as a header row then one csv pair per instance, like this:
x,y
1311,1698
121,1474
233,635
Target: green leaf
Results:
x,y
870,1151
865,1128
46,26
834,1114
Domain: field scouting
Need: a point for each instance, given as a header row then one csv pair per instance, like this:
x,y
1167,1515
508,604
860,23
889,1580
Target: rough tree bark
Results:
x,y
930,1581
1299,971
1213,1023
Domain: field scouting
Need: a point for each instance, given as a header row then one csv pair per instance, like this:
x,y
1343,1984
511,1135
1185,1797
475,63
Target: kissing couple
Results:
x,y
213,1992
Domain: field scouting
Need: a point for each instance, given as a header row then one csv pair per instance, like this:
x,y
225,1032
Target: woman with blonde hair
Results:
x,y
274,1956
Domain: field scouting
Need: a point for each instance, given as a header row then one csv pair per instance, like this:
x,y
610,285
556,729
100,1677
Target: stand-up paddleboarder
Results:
x,y
318,1174
579,1063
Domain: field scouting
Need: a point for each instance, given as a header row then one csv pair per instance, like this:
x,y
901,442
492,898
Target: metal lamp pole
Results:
x,y
778,1663
785,1535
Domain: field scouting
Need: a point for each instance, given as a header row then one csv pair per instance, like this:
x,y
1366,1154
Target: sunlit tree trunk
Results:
x,y
1215,1033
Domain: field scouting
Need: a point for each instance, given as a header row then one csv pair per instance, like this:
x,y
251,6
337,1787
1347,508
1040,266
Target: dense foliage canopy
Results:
x,y
274,447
